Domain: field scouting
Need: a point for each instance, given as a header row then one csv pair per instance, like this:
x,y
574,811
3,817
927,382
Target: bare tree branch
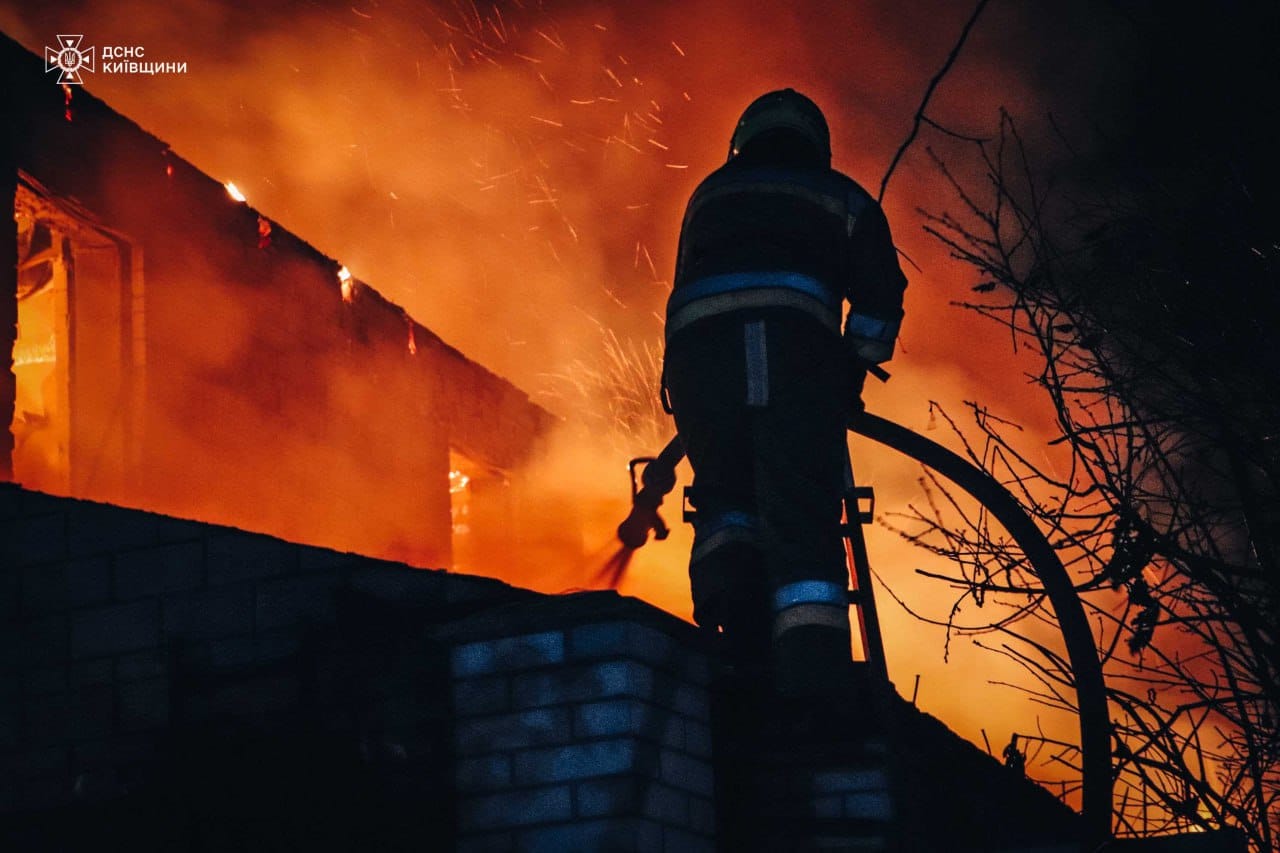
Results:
x,y
928,94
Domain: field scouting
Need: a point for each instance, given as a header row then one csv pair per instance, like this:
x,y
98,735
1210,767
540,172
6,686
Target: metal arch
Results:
x,y
1082,651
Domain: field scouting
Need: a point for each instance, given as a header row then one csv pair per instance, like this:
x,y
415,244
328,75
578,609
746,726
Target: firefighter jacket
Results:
x,y
794,236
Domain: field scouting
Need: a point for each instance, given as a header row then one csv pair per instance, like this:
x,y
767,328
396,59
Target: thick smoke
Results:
x,y
513,174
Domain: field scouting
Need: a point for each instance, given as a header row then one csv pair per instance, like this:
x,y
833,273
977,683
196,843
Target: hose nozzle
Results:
x,y
635,528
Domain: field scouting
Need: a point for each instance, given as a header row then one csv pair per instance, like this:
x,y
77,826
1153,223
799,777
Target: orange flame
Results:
x,y
347,284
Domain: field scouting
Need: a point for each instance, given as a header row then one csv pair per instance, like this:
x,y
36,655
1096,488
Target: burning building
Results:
x,y
174,349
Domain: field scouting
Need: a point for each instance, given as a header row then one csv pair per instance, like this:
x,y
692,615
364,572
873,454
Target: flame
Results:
x,y
234,191
45,352
459,508
347,284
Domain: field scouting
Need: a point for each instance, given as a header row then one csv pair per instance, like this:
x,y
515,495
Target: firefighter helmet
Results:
x,y
785,109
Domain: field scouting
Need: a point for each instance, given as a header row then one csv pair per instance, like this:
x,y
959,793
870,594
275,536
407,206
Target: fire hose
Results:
x,y
657,479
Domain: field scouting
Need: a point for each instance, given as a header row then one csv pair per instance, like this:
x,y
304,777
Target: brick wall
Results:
x,y
172,685
187,673
132,642
592,737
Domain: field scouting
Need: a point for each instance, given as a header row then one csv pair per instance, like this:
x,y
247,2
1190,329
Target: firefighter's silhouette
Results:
x,y
762,384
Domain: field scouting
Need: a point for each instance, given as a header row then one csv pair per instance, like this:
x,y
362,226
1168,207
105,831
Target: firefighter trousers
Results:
x,y
760,399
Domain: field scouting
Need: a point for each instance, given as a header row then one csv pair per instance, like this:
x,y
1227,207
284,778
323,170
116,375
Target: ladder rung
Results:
x,y
863,518
855,496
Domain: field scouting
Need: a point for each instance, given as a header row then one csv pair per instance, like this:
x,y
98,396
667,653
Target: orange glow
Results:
x,y
518,186
41,423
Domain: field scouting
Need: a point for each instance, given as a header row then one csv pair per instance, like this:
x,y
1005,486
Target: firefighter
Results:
x,y
762,385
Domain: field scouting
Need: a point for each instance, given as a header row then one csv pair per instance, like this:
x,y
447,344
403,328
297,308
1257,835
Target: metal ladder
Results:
x,y
861,595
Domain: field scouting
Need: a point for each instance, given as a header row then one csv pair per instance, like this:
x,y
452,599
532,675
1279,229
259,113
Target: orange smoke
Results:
x,y
515,178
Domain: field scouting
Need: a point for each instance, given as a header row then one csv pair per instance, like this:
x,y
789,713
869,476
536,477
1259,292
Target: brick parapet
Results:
x,y
138,650
115,625
591,736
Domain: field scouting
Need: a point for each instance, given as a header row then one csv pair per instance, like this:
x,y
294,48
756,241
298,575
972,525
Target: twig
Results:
x,y
928,93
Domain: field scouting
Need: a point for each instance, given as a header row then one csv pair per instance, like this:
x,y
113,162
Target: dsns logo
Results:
x,y
69,59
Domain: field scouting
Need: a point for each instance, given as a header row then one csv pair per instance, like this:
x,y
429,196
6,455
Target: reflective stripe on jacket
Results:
x,y
796,237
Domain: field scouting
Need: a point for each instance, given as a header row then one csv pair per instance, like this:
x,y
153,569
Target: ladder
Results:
x,y
861,595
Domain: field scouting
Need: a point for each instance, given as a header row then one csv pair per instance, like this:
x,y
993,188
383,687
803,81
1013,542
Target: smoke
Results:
x,y
509,174
514,174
